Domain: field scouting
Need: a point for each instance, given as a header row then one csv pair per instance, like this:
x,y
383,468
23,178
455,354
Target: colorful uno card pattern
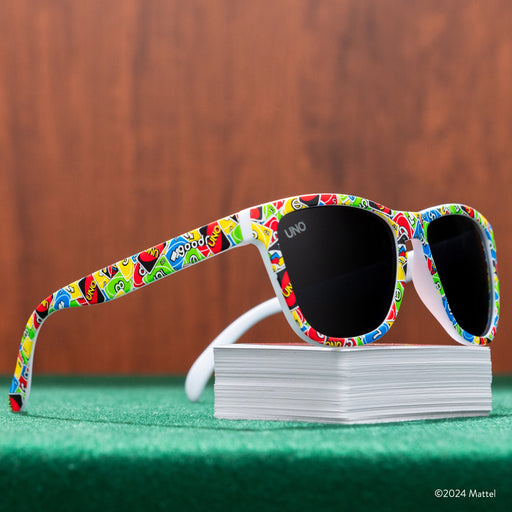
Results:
x,y
406,226
119,279
427,216
178,253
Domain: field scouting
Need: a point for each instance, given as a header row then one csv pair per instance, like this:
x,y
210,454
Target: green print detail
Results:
x,y
237,235
118,285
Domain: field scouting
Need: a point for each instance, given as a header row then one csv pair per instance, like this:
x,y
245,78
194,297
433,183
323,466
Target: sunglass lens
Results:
x,y
342,265
459,257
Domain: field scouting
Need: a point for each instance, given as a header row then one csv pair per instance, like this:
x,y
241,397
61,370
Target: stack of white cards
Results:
x,y
369,384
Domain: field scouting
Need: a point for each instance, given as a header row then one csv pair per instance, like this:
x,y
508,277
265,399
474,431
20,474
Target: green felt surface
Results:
x,y
138,444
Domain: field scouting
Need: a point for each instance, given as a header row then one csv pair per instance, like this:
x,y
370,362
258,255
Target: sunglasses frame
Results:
x,y
406,226
258,226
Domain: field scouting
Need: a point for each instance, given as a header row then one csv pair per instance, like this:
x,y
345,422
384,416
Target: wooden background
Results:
x,y
124,123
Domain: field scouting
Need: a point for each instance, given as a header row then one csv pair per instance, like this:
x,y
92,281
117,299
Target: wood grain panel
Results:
x,y
123,123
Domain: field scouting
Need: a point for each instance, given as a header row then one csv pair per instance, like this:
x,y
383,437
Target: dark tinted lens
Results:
x,y
459,256
342,265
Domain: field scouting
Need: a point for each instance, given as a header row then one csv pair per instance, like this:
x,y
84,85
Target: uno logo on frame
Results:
x,y
216,239
288,293
90,290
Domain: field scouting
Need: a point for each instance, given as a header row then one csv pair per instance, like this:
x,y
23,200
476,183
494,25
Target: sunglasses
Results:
x,y
338,265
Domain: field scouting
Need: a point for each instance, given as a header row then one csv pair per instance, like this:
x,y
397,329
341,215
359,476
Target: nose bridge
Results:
x,y
410,229
416,225
408,226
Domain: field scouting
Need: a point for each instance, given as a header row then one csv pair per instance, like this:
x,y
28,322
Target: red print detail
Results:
x,y
216,239
328,199
315,335
256,213
149,257
14,405
404,224
138,276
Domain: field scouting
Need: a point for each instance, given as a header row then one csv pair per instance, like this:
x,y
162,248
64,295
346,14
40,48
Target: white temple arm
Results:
x,y
202,369
408,273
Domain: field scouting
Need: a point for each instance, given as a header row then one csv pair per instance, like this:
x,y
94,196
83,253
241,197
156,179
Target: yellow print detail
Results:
x,y
26,347
288,290
74,291
261,233
153,252
227,225
401,274
126,268
332,343
19,368
101,278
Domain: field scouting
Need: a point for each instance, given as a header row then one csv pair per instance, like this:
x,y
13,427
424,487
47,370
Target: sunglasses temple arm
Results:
x,y
202,369
117,280
408,274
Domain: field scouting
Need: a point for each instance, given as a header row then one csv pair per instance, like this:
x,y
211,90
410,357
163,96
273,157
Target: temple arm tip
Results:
x,y
16,402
